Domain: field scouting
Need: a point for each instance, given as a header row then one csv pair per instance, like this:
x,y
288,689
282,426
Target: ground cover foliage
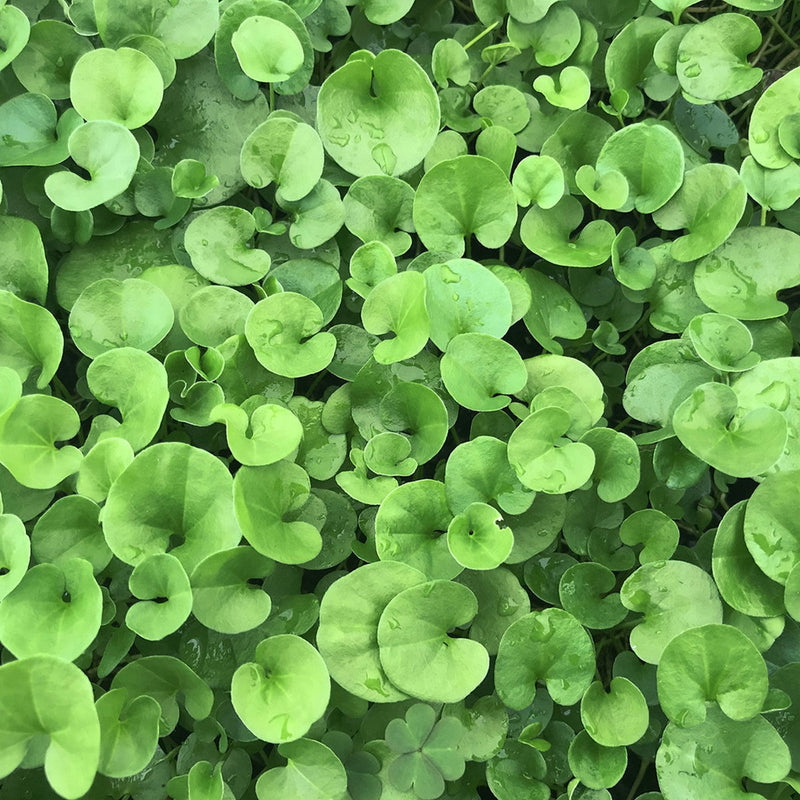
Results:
x,y
399,400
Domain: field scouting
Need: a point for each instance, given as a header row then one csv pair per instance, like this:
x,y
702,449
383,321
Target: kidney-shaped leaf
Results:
x,y
15,552
713,758
224,599
363,119
709,425
742,277
461,197
651,159
478,538
122,86
479,370
712,663
284,691
674,596
548,234
313,772
55,610
415,650
283,332
135,383
772,527
268,501
47,696
543,460
708,206
268,50
28,433
173,497
217,242
615,717
549,646
165,597
108,152
285,152
347,636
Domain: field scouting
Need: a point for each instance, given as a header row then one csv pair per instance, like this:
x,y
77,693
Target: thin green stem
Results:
x,y
781,32
763,216
637,781
481,35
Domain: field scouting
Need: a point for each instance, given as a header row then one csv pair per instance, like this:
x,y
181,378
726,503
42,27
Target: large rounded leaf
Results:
x,y
674,596
108,152
363,119
224,600
44,696
312,772
461,197
713,758
347,636
268,502
122,86
549,646
713,663
128,733
284,691
135,383
410,526
173,497
283,332
772,526
617,716
55,610
415,650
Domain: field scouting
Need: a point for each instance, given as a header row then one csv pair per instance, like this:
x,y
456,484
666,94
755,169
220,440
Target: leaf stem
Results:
x,y
763,216
638,779
781,32
481,34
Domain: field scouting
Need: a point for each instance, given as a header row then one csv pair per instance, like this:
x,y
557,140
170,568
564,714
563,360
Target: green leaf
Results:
x,y
617,463
397,305
415,650
45,696
128,733
571,90
312,770
708,206
280,694
266,435
742,277
710,425
53,611
549,646
654,530
122,86
713,663
617,716
165,597
283,332
478,371
347,636
23,266
268,50
650,158
31,342
461,197
690,762
362,114
543,460
172,498
70,528
15,553
217,242
268,501
106,150
771,532
712,57
478,538
28,433
410,526
586,591
674,596
596,766
549,234
553,312
539,180
378,208
136,384
285,152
